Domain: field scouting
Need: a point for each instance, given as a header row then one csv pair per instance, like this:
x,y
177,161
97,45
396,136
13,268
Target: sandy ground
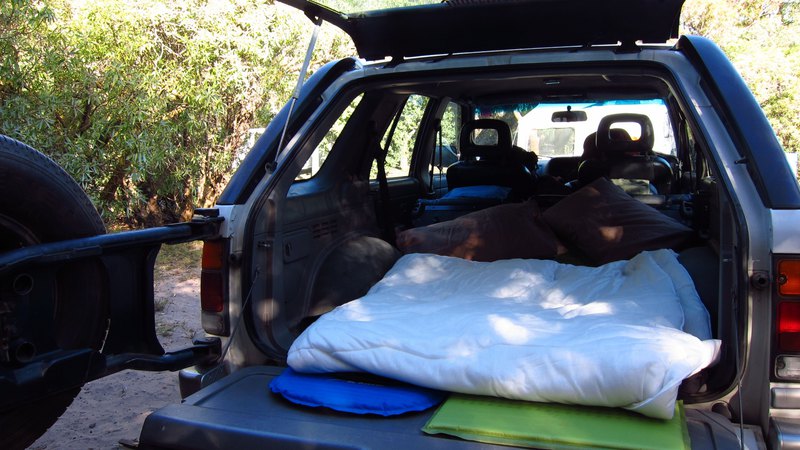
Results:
x,y
115,407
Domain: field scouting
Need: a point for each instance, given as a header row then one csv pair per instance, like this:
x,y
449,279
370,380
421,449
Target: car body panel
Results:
x,y
746,122
785,236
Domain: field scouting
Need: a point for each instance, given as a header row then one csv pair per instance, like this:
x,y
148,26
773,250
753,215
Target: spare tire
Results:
x,y
39,203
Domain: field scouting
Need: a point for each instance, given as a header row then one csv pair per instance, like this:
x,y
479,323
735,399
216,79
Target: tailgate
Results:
x,y
239,411
123,275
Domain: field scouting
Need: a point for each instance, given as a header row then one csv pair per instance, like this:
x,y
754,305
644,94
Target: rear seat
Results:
x,y
489,172
630,163
564,168
457,202
495,163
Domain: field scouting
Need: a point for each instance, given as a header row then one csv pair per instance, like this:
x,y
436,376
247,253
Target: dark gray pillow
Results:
x,y
607,224
514,230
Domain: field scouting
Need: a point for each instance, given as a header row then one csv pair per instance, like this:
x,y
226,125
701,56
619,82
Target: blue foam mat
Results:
x,y
355,394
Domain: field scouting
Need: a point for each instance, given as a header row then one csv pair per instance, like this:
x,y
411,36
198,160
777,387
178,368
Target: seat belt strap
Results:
x,y
438,130
383,183
384,211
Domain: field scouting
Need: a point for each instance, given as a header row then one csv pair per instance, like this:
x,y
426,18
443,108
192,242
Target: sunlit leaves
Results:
x,y
147,103
762,39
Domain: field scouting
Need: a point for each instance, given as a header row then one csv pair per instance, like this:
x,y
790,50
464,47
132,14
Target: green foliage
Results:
x,y
146,104
762,39
350,6
451,121
400,145
398,155
325,146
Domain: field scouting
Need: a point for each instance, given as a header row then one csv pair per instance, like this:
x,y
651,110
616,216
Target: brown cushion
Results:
x,y
507,231
608,225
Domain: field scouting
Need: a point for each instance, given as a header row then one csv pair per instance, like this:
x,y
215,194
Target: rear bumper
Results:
x,y
784,433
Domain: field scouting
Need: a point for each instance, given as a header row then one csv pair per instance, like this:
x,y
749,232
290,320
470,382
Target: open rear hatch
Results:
x,y
460,26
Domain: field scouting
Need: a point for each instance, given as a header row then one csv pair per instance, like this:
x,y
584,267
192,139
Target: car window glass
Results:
x,y
487,136
552,141
317,158
451,125
401,146
447,150
695,165
533,128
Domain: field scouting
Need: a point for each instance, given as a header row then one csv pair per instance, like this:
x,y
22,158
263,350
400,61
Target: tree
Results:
x,y
147,104
762,39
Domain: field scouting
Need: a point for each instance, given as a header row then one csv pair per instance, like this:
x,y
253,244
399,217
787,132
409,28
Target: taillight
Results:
x,y
789,277
212,293
789,326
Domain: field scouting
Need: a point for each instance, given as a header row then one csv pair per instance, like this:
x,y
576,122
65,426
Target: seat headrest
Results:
x,y
614,144
494,151
590,143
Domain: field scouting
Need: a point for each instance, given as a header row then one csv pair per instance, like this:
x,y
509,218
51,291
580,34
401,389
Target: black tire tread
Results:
x,y
22,426
14,149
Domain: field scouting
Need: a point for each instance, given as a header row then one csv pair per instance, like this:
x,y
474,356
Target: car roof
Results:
x,y
461,26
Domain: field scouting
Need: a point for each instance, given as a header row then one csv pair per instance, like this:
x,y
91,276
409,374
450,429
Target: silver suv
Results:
x,y
539,101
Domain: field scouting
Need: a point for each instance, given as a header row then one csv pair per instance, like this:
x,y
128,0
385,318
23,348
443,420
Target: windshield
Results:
x,y
545,130
357,6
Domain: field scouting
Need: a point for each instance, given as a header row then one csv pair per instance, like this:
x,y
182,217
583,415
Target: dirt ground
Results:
x,y
114,408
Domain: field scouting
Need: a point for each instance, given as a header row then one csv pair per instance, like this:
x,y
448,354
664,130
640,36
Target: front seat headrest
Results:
x,y
500,149
612,144
590,143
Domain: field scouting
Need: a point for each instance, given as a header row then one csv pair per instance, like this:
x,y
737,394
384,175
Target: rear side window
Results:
x,y
447,146
552,141
317,158
400,145
451,125
540,128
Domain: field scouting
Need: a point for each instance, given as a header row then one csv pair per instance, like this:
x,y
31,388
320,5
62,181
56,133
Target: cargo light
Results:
x,y
212,298
789,277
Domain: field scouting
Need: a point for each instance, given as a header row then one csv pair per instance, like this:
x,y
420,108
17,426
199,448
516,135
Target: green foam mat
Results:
x,y
550,425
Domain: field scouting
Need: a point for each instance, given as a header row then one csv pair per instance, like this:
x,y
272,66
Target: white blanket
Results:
x,y
524,329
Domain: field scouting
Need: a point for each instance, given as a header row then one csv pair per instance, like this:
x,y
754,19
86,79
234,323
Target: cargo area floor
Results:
x,y
239,411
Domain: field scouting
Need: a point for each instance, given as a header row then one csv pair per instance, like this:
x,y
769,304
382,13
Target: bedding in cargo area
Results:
x,y
624,334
